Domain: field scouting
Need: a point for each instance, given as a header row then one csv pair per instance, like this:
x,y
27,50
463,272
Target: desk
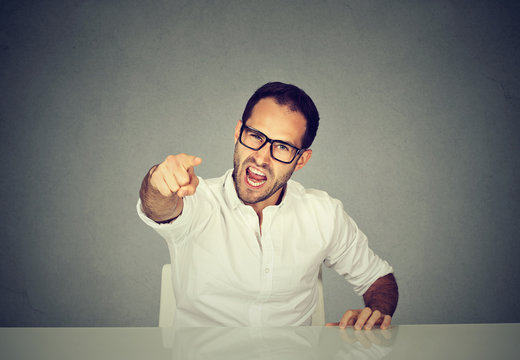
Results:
x,y
476,341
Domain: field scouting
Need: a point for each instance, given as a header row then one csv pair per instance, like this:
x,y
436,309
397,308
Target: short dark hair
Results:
x,y
295,98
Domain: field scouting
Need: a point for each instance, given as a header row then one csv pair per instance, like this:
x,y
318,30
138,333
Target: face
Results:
x,y
259,179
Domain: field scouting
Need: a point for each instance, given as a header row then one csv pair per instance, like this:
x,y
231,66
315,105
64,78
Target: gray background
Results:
x,y
420,105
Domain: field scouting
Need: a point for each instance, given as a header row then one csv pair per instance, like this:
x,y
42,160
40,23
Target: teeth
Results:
x,y
255,183
254,171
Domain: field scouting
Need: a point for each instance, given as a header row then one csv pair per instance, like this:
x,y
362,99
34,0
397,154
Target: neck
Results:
x,y
275,199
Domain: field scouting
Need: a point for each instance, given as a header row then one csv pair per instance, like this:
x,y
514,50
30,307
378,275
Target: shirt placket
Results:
x,y
265,273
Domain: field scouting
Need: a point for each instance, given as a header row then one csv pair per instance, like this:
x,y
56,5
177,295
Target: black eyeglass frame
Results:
x,y
270,141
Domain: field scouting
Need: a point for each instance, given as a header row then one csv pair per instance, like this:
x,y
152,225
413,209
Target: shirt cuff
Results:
x,y
173,231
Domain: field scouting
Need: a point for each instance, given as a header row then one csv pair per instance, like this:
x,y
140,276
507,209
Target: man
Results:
x,y
247,247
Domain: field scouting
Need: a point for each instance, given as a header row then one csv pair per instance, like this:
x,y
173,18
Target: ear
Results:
x,y
237,130
304,158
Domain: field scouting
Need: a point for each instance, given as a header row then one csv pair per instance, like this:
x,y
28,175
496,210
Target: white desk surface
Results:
x,y
468,341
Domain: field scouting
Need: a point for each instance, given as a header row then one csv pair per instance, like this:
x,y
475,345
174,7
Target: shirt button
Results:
x,y
266,270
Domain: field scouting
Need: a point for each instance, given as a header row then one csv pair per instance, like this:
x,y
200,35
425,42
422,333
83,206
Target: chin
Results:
x,y
248,200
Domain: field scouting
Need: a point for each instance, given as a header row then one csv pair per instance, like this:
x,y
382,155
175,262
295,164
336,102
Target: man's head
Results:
x,y
293,97
278,117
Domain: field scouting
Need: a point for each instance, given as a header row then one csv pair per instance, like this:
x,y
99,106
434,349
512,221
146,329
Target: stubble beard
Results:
x,y
240,186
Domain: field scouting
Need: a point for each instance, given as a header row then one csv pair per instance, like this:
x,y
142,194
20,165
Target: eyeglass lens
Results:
x,y
255,140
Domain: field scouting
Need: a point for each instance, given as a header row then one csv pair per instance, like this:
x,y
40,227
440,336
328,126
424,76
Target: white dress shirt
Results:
x,y
229,272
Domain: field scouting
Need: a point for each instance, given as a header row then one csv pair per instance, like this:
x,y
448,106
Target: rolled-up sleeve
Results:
x,y
174,232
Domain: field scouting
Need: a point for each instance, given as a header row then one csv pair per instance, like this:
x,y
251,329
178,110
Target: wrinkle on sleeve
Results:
x,y
350,255
176,231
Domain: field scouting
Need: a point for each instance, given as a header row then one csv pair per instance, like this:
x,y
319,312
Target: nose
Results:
x,y
263,155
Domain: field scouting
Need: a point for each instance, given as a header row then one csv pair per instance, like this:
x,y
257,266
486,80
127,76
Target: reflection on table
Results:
x,y
278,343
471,341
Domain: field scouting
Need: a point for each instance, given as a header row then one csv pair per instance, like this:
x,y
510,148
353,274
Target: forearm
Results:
x,y
156,206
382,295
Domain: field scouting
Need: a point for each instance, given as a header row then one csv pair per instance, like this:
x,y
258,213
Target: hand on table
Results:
x,y
363,318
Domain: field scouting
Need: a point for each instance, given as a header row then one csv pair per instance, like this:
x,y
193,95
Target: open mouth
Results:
x,y
255,178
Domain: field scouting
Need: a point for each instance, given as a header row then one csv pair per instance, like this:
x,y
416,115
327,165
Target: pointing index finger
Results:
x,y
191,161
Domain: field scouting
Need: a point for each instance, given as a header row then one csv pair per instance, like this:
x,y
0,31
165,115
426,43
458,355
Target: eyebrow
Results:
x,y
282,141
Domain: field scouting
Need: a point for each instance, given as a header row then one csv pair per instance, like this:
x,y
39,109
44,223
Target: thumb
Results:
x,y
190,188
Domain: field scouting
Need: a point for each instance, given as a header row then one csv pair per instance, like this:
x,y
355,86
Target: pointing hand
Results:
x,y
175,175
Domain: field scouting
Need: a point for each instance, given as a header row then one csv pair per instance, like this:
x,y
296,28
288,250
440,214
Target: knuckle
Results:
x,y
153,179
184,180
169,159
156,180
157,170
166,192
163,189
174,159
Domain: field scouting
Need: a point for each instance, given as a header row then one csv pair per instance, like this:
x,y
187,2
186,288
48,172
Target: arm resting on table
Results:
x,y
382,295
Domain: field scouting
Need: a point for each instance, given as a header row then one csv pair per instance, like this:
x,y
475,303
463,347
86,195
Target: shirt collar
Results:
x,y
232,197
230,192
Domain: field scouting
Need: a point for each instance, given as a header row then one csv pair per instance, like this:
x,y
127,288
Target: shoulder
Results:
x,y
215,183
211,189
319,199
318,210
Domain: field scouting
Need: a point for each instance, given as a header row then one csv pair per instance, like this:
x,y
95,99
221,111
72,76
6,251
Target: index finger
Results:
x,y
189,161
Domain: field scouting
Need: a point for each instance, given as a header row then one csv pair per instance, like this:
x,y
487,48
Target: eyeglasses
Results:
x,y
280,150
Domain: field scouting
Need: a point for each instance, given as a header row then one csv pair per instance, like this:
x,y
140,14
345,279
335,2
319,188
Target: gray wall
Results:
x,y
420,105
